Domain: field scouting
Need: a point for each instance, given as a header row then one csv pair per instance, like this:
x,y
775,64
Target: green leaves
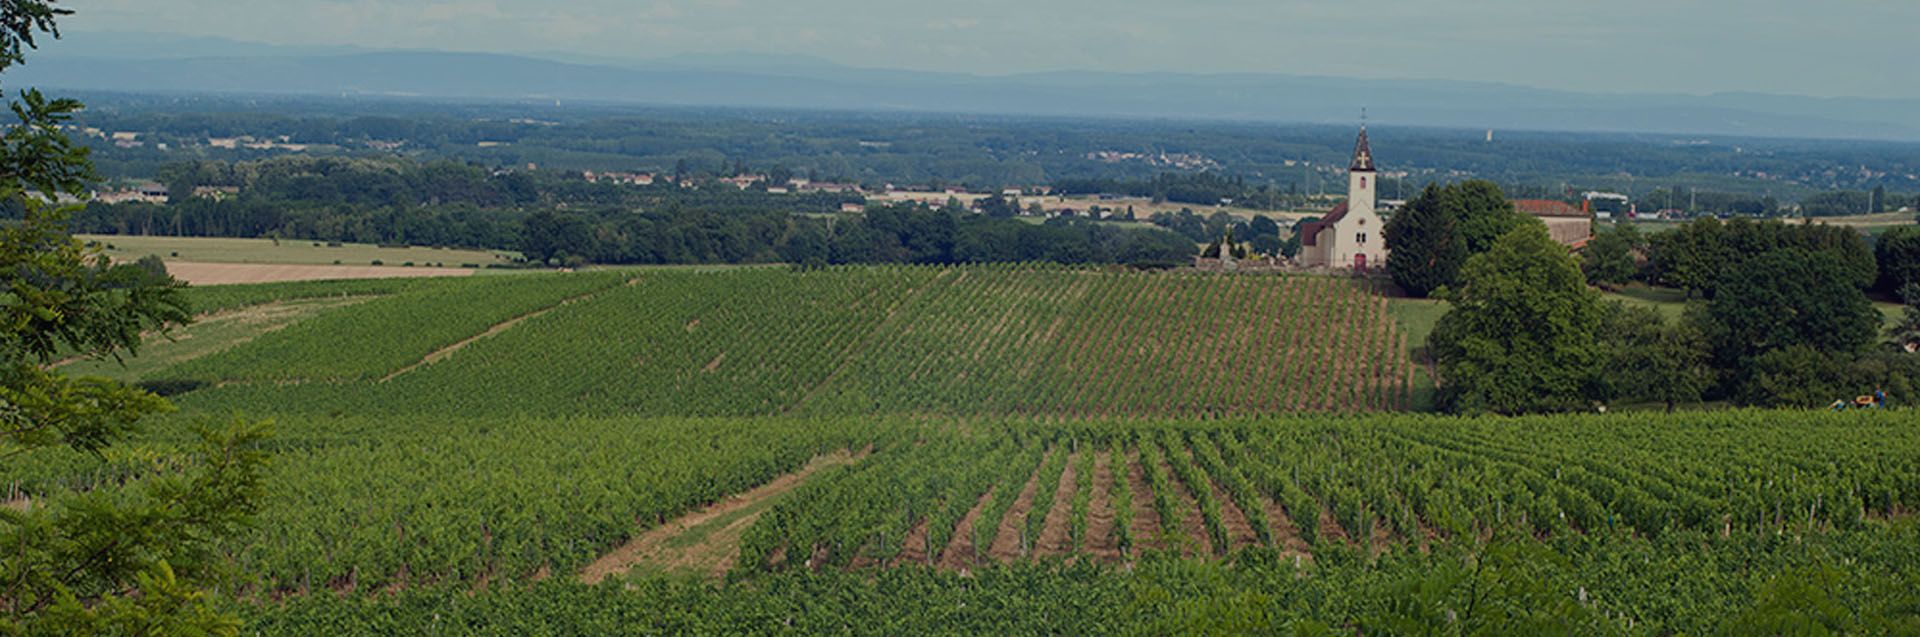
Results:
x,y
1430,238
36,156
21,21
1521,334
72,560
130,558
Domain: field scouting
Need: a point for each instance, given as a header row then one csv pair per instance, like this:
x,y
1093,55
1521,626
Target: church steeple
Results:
x,y
1362,153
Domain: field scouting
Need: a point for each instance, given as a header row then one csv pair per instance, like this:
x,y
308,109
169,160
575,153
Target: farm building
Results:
x,y
1350,236
1568,225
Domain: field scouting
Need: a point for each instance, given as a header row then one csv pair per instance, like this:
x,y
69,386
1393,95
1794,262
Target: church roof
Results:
x,y
1311,231
1362,154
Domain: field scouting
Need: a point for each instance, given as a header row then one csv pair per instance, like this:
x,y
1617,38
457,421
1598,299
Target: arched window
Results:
x,y
1363,183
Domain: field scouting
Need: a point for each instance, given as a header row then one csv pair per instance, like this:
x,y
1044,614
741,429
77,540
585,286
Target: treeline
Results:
x,y
1854,202
1831,203
1202,188
1261,233
1709,202
902,233
560,218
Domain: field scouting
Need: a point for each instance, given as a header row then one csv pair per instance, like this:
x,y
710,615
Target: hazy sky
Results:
x,y
1811,47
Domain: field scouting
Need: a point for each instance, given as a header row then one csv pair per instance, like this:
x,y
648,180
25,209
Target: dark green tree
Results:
x,y
997,206
1425,246
1690,257
1521,334
1898,253
1483,211
1649,359
1609,259
133,559
1264,235
1784,299
1291,246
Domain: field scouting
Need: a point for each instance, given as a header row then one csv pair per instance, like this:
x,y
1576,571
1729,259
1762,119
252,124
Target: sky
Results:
x,y
1828,48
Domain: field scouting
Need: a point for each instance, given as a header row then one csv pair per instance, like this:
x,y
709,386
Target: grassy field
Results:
x,y
209,335
994,450
1671,303
290,252
1416,318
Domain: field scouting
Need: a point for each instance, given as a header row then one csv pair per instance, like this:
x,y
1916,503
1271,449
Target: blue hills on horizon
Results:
x,y
153,63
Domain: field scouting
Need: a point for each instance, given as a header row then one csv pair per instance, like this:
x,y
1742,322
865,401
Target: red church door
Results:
x,y
1360,263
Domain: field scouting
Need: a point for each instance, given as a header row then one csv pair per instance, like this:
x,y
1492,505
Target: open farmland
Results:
x,y
224,261
290,252
198,273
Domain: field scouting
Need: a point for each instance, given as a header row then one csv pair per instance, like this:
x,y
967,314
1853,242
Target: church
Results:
x,y
1352,236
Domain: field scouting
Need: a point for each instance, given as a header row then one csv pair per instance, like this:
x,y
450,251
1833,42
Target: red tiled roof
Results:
x,y
1546,208
1311,230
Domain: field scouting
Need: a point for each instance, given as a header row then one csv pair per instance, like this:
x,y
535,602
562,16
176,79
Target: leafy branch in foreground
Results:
x,y
132,559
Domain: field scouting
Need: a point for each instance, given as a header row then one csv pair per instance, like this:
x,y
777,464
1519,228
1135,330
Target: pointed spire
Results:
x,y
1362,154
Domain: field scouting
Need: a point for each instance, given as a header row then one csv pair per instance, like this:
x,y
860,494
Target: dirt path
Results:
x,y
1007,540
960,552
1146,522
1101,542
1056,537
707,541
442,353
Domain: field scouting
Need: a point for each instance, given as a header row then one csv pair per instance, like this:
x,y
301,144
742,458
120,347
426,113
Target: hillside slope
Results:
x,y
978,340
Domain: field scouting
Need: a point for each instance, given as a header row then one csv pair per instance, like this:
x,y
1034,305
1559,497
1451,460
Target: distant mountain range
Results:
x,y
147,63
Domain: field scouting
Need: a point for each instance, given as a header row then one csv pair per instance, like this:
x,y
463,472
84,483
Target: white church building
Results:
x,y
1352,236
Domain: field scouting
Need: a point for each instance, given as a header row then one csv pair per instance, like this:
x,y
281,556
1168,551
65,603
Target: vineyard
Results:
x,y
981,449
427,504
1023,492
979,340
512,504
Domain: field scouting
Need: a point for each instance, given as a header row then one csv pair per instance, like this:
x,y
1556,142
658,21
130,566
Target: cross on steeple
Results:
x,y
1362,153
